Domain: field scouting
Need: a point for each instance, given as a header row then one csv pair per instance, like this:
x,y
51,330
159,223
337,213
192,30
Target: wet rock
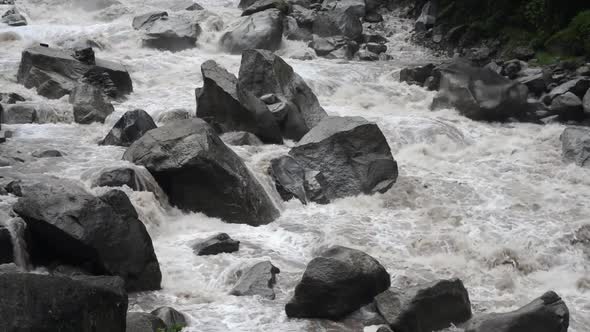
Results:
x,y
373,18
246,3
376,48
130,127
292,30
241,138
13,18
374,38
226,107
366,55
187,5
480,94
90,104
258,280
578,87
535,83
575,145
170,316
511,69
427,17
384,329
200,173
419,308
338,282
217,244
262,5
85,55
586,103
56,72
144,322
351,154
304,16
261,30
28,113
47,154
416,75
37,302
337,23
354,7
11,98
568,106
135,178
172,33
293,180
6,251
67,224
262,72
547,313
174,115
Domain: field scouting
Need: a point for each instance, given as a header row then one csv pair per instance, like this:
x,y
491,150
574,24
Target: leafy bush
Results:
x,y
175,328
574,39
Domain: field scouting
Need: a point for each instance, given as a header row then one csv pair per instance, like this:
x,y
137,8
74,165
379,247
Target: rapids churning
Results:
x,y
491,204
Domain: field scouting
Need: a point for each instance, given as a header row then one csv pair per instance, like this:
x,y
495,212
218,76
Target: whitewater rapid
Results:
x,y
492,204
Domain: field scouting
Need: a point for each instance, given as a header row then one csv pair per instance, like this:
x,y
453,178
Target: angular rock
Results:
x,y
575,147
200,173
366,55
217,244
535,83
293,180
568,107
45,303
174,115
416,75
11,98
136,178
68,225
425,308
28,113
354,7
337,23
262,5
144,322
187,5
47,154
547,313
227,108
480,94
262,73
85,55
427,17
131,126
6,249
351,154
13,18
257,280
172,33
338,282
261,30
241,138
144,19
90,104
578,87
55,72
170,317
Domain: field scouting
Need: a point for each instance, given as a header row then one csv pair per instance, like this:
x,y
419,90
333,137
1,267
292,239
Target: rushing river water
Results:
x,y
492,204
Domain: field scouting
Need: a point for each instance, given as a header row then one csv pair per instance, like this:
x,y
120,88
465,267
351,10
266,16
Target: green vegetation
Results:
x,y
175,328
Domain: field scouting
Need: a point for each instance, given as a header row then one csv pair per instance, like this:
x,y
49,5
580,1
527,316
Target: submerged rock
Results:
x,y
338,282
67,224
547,313
262,73
217,244
37,302
90,104
47,154
420,308
170,316
261,30
575,145
200,173
257,280
144,322
131,126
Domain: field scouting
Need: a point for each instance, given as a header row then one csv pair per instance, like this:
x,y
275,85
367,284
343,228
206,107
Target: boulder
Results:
x,y
67,225
13,18
568,107
262,73
144,322
354,7
174,115
262,5
6,247
427,17
47,154
46,303
240,138
187,5
376,48
337,23
578,87
199,172
56,72
227,108
289,178
351,154
257,280
586,103
334,47
373,18
425,308
261,30
164,32
416,75
547,313
535,83
217,244
10,98
338,282
575,147
130,127
246,3
170,316
480,94
90,104
134,177
366,55
28,112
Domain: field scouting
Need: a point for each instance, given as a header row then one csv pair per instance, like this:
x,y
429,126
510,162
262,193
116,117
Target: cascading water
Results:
x,y
492,204
17,229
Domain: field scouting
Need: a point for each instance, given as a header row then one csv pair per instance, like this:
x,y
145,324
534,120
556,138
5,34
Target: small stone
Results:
x,y
217,244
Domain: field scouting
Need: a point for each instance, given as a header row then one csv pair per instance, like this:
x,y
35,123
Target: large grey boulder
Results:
x,y
427,17
568,107
338,282
101,234
351,154
293,180
90,104
262,30
575,145
200,173
47,303
257,280
170,316
480,93
55,72
263,73
144,322
547,313
577,86
130,127
337,22
134,177
228,109
425,308
354,7
172,33
28,112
